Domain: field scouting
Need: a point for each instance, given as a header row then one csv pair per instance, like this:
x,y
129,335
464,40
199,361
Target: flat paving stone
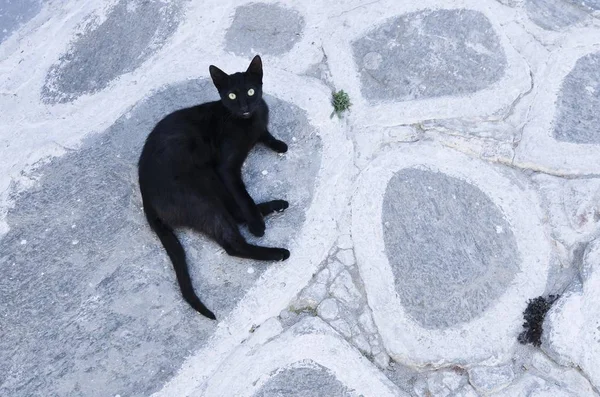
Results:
x,y
14,13
304,382
429,54
577,117
491,379
554,14
90,297
132,32
451,250
261,28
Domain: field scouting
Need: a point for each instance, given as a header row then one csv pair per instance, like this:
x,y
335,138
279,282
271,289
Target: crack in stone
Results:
x,y
355,8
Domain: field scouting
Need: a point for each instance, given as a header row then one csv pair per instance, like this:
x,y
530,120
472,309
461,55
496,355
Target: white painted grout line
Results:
x,y
250,366
480,104
538,147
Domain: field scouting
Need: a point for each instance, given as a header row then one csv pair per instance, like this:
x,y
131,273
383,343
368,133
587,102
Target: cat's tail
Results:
x,y
177,254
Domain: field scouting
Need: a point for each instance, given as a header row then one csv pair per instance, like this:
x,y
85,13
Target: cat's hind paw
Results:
x,y
279,146
283,253
279,205
269,207
257,228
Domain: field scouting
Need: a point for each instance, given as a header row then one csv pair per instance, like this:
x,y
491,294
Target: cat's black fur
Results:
x,y
190,173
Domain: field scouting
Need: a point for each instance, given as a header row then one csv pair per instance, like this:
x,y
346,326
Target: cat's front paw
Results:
x,y
257,228
279,205
283,254
279,146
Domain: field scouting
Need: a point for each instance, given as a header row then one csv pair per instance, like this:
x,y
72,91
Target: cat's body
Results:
x,y
190,173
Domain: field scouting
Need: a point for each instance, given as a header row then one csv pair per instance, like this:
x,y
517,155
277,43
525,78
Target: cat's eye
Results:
x,y
250,92
232,96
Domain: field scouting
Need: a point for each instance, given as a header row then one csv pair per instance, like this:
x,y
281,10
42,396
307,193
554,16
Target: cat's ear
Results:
x,y
219,77
255,67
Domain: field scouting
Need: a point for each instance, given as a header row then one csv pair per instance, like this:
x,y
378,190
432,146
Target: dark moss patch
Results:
x,y
534,316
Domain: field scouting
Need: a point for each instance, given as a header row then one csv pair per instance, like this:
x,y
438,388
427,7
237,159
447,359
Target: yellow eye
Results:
x,y
232,96
250,92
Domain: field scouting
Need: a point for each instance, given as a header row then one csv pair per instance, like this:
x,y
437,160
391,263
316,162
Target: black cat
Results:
x,y
190,173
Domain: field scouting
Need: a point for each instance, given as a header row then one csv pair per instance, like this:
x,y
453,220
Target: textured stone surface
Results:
x,y
544,378
90,295
451,250
91,299
261,28
312,295
429,54
554,14
441,384
14,13
342,327
577,117
345,242
89,305
328,309
303,382
491,379
335,267
346,257
592,5
511,3
308,359
572,327
132,32
343,288
321,72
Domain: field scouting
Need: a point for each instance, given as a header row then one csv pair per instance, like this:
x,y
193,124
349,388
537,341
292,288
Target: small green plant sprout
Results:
x,y
340,101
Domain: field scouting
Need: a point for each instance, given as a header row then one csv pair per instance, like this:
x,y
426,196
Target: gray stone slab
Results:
x,y
304,382
554,14
577,118
260,28
132,31
14,13
451,250
428,54
91,306
591,5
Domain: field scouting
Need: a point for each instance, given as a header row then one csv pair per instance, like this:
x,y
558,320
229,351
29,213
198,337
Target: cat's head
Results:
x,y
241,93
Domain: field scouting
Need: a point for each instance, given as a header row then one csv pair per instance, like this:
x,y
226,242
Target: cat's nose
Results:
x,y
246,114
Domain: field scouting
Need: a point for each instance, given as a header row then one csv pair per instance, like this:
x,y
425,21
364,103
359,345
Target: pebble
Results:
x,y
491,379
328,309
346,257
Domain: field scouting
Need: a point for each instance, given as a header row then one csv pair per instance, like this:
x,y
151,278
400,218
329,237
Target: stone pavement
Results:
x,y
464,181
